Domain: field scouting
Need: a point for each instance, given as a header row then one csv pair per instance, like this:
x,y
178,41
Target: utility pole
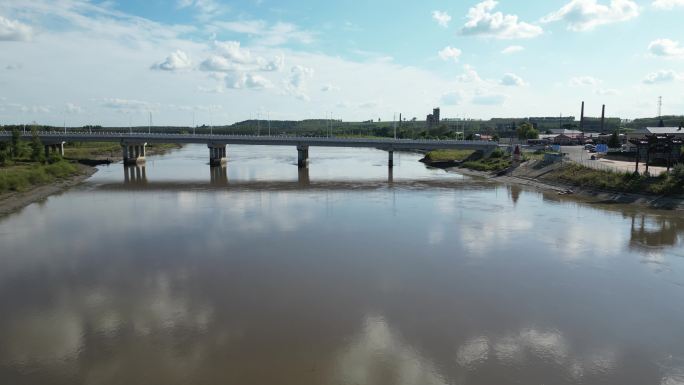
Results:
x,y
394,118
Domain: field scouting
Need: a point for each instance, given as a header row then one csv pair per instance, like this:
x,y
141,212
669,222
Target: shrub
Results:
x,y
497,154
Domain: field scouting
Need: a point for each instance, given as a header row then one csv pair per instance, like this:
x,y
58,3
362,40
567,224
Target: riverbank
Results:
x,y
83,159
546,179
16,200
95,153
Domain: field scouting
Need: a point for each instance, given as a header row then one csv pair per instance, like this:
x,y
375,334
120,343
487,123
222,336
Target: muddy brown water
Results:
x,y
346,274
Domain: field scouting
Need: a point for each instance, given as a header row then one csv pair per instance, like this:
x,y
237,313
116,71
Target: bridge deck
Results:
x,y
387,144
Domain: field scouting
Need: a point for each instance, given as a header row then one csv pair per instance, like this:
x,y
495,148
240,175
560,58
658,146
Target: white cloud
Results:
x,y
579,81
662,76
512,49
268,35
202,108
666,48
489,99
231,56
232,51
369,105
72,108
450,53
329,88
584,15
218,63
14,30
607,92
469,75
36,109
512,80
296,83
127,105
208,9
668,4
482,22
274,65
453,98
247,81
176,61
442,18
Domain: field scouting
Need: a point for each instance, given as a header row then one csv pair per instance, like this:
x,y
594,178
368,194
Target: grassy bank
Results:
x,y
576,175
448,155
488,164
497,161
94,150
22,176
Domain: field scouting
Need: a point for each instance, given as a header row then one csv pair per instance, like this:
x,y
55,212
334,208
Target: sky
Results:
x,y
113,63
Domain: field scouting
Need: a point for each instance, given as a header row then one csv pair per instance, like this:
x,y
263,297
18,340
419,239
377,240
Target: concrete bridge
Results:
x,y
133,144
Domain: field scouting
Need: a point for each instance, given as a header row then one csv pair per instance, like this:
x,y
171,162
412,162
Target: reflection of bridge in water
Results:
x,y
135,174
653,231
135,178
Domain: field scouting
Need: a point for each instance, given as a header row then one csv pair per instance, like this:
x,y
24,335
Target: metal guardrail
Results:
x,y
596,164
217,137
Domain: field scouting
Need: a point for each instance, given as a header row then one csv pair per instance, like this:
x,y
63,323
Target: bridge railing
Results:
x,y
122,135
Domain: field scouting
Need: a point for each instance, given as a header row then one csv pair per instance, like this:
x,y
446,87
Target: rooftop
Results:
x,y
662,130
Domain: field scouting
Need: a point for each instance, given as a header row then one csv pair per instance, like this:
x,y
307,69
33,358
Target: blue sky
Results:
x,y
113,62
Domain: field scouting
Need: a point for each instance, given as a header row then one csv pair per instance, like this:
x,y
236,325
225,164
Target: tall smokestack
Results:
x,y
582,119
603,117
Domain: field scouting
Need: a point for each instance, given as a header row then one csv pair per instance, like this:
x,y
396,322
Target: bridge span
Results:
x,y
133,144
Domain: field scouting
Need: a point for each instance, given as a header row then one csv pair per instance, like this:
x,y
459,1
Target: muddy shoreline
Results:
x,y
587,195
15,201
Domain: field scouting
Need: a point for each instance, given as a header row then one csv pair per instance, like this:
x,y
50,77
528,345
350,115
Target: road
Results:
x,y
579,155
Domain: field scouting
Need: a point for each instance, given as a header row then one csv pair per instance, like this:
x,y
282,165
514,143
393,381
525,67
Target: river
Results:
x,y
345,274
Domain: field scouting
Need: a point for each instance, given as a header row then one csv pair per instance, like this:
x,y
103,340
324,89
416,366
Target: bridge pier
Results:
x,y
133,153
390,161
302,156
54,148
217,154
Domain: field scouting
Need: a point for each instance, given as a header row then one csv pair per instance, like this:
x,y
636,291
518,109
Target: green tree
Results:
x,y
16,141
527,131
5,153
36,147
614,141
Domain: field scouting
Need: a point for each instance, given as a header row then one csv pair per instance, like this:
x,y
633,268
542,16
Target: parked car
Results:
x,y
589,147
